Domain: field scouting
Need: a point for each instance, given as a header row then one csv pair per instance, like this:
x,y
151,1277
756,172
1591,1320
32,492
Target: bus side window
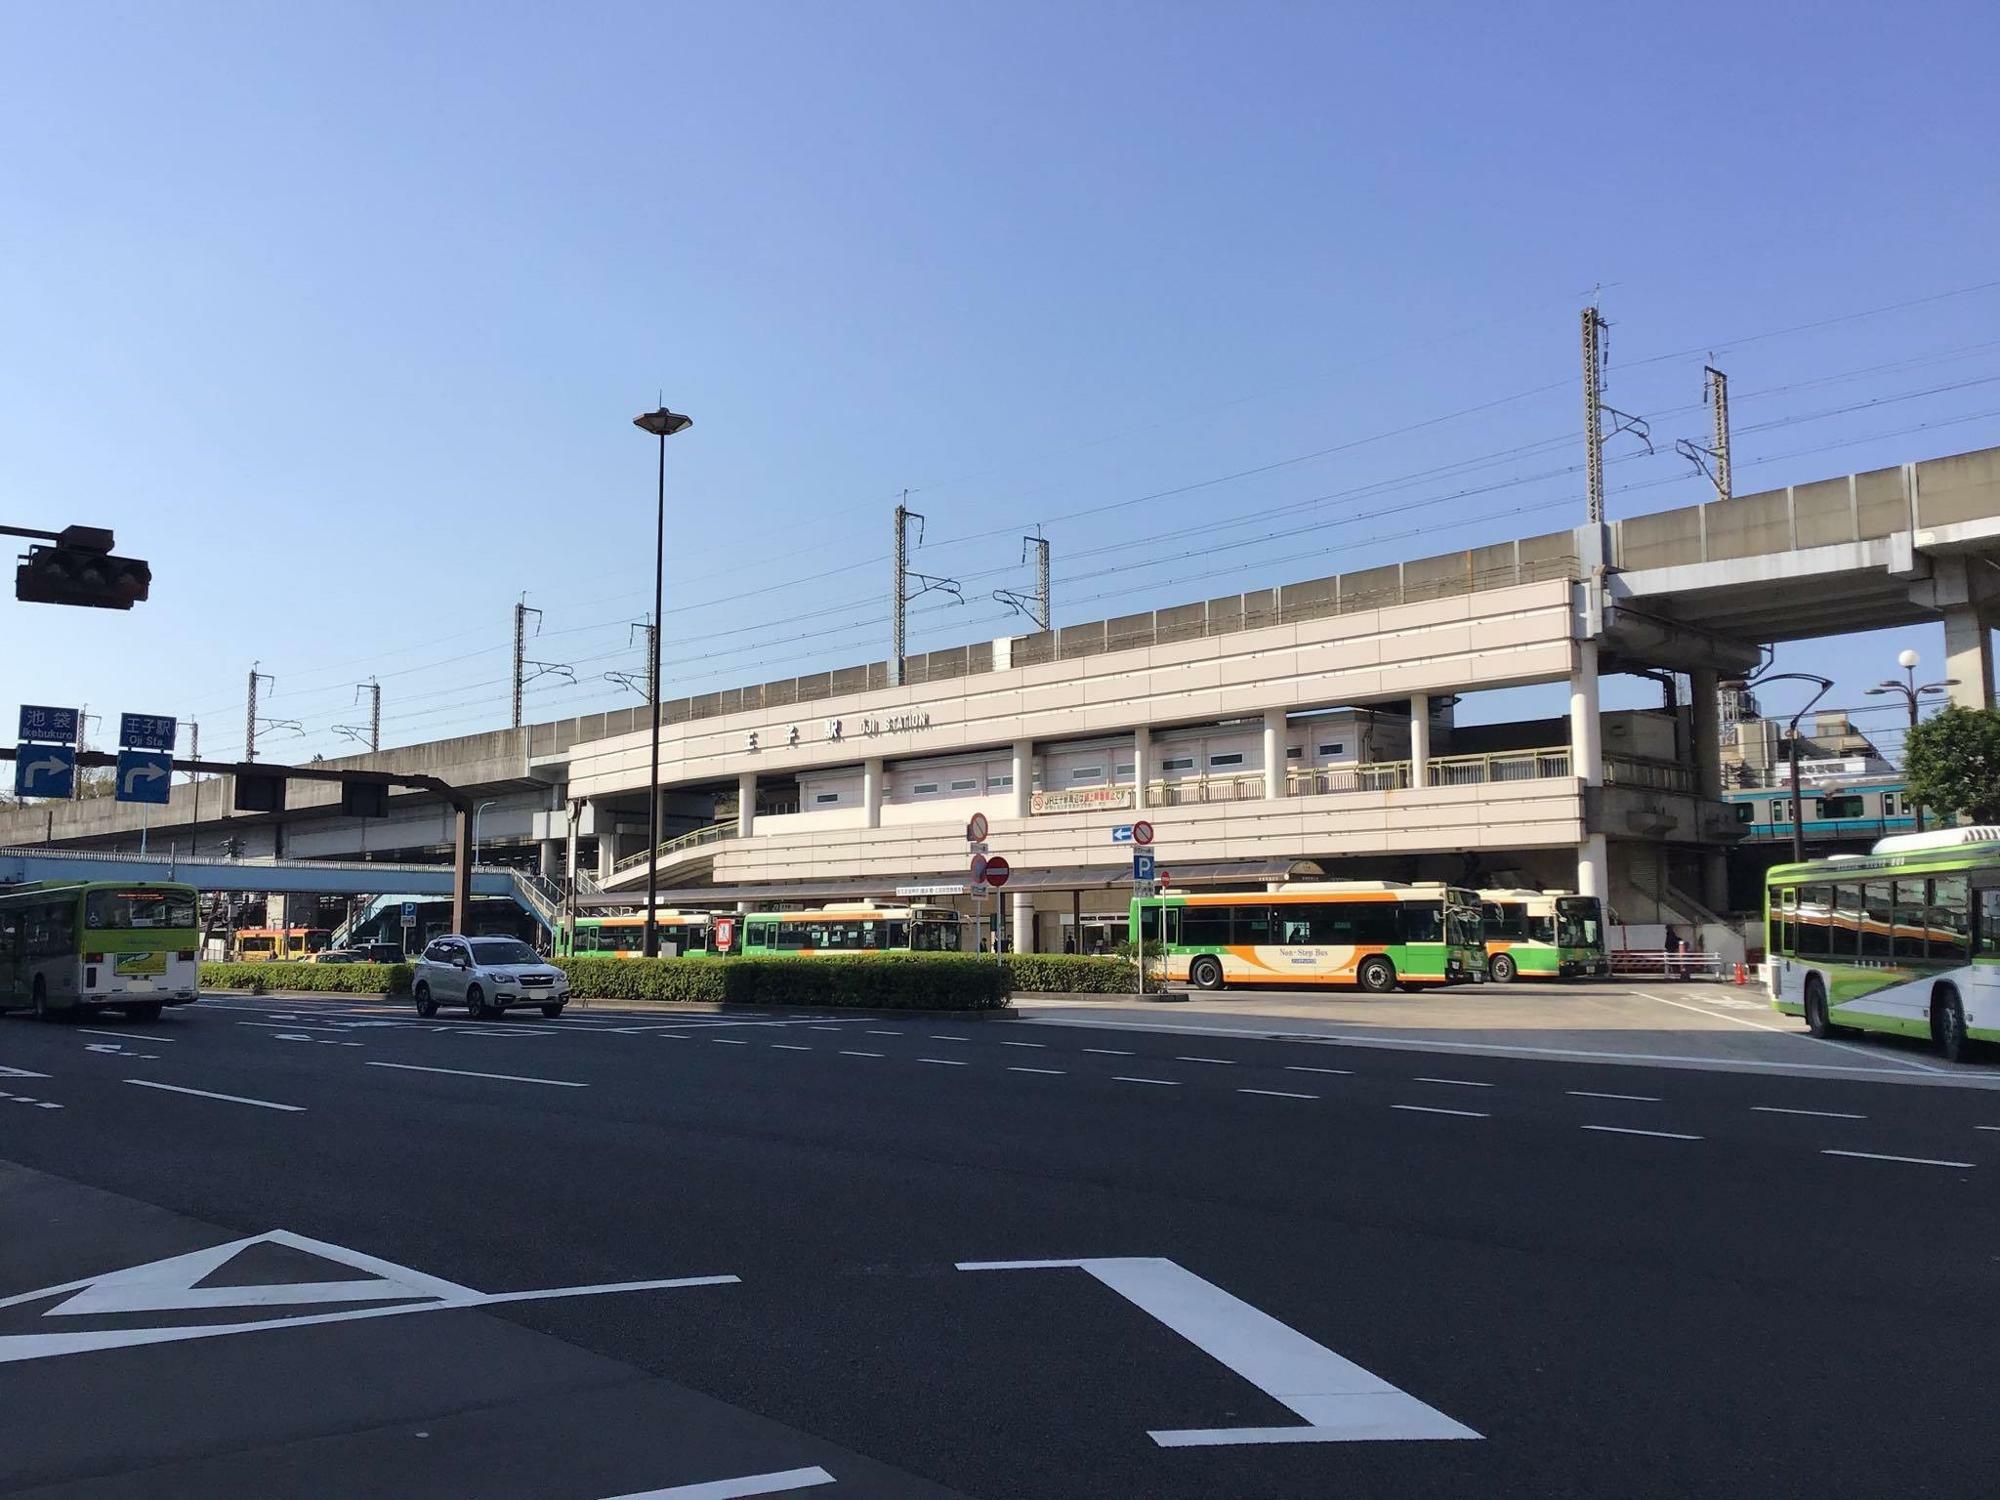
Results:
x,y
1877,918
1422,922
1815,921
1951,941
1149,923
1907,945
1205,926
1254,926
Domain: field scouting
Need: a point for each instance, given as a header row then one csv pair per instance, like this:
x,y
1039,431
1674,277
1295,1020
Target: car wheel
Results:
x,y
1948,1025
1205,973
150,1011
1376,974
552,1011
1500,969
426,1006
1817,1020
475,1000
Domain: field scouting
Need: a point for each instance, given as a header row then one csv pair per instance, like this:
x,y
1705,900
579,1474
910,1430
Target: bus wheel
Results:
x,y
426,1006
1205,973
1500,969
1817,1020
1376,974
1948,1025
150,1011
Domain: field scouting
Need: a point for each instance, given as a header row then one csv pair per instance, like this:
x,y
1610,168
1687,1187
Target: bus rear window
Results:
x,y
124,911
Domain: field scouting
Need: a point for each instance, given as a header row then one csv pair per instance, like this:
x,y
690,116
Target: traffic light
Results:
x,y
80,570
364,799
257,792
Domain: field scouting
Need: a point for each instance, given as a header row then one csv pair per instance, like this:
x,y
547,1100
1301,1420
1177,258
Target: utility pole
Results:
x,y
1716,386
521,613
250,712
902,593
1035,606
1593,412
648,631
374,714
194,780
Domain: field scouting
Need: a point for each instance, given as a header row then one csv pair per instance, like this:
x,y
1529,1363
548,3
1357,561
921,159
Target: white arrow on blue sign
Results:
x,y
45,771
1122,834
145,732
144,775
1144,867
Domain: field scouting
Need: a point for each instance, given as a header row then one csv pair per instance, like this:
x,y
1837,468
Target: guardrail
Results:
x,y
1653,775
1502,765
1669,964
1199,789
711,833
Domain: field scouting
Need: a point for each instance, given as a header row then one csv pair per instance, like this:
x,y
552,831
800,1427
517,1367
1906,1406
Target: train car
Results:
x,y
1858,808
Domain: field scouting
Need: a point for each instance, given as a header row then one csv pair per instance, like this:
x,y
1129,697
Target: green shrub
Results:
x,y
879,981
1070,973
338,979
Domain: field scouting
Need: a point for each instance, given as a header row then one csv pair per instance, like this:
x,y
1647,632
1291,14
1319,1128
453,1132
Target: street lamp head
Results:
x,y
1887,687
663,423
1906,658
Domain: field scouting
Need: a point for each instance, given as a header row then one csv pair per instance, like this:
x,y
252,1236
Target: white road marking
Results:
x,y
1226,1062
731,1489
1107,1051
861,1054
1302,1068
1024,1044
1431,1109
147,1083
559,1083
942,1062
1058,1070
1463,1083
1915,1161
790,1047
1171,1083
1787,1031
1665,1135
25,1073
882,1033
1594,1094
822,1028
1976,1127
1277,1094
940,1037
730,1041
1339,1400
147,1036
1818,1114
44,1104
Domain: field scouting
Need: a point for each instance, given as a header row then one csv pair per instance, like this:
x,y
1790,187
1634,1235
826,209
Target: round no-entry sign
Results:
x,y
1142,833
975,831
997,871
979,864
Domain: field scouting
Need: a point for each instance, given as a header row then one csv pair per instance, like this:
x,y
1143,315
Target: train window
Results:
x,y
1781,810
1847,805
1888,804
1746,812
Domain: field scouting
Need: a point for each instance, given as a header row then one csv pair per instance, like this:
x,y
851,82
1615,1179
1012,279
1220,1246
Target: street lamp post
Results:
x,y
475,826
1825,685
663,424
1911,693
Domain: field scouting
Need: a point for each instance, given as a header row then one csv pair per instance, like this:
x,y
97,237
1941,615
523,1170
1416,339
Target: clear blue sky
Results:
x,y
339,314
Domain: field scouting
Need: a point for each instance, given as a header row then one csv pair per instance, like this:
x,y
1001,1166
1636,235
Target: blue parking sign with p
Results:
x,y
1144,867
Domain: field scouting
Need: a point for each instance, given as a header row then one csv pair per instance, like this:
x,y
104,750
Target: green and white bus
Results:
x,y
1904,939
1369,934
72,948
1542,935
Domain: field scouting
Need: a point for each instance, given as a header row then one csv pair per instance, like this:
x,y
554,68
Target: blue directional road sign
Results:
x,y
45,770
40,723
1122,834
1144,867
144,775
145,732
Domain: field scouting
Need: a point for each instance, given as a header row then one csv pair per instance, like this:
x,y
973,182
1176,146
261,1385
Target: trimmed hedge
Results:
x,y
880,981
339,979
1070,973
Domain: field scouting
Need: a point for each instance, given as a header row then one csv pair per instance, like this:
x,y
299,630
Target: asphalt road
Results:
x,y
1460,1275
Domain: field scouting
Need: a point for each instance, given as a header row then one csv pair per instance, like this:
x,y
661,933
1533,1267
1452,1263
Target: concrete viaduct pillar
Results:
x,y
1968,656
1586,753
746,804
871,792
1024,777
1706,727
1420,739
1142,757
1274,753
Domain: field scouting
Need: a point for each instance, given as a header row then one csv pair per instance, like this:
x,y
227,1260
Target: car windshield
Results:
x,y
503,951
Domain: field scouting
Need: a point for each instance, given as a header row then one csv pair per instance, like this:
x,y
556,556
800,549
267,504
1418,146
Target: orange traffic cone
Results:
x,y
1742,977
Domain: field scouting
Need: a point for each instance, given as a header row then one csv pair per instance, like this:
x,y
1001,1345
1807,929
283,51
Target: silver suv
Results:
x,y
486,975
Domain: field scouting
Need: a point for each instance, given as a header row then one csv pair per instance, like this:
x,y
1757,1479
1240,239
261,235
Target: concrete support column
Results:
x,y
607,849
1274,752
551,858
1142,760
1586,738
1715,880
746,804
1420,739
1024,777
1593,868
871,792
1021,922
1968,656
569,851
1707,730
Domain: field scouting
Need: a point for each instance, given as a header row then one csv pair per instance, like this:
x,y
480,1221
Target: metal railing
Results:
x,y
1199,789
1503,765
1653,775
1374,776
708,834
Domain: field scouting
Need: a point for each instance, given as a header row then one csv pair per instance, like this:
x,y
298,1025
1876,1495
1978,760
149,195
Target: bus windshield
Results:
x,y
122,911
1578,923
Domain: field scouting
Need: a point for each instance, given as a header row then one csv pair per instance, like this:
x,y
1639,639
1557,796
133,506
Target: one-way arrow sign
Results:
x,y
144,775
45,771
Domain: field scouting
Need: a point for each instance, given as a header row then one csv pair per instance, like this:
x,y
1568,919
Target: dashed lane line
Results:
x,y
1221,1062
885,1033
790,1047
1432,1109
1107,1051
1304,1068
559,1083
1012,1069
1024,1044
1629,1098
942,1062
1169,1083
144,1036
729,1041
1914,1161
172,1088
938,1036
1462,1083
30,1100
1277,1094
863,1054
1817,1114
1664,1135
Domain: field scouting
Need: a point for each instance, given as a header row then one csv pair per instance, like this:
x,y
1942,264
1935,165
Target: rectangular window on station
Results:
x,y
1232,758
1295,752
999,783
1333,747
1177,763
965,786
1086,773
924,789
825,797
